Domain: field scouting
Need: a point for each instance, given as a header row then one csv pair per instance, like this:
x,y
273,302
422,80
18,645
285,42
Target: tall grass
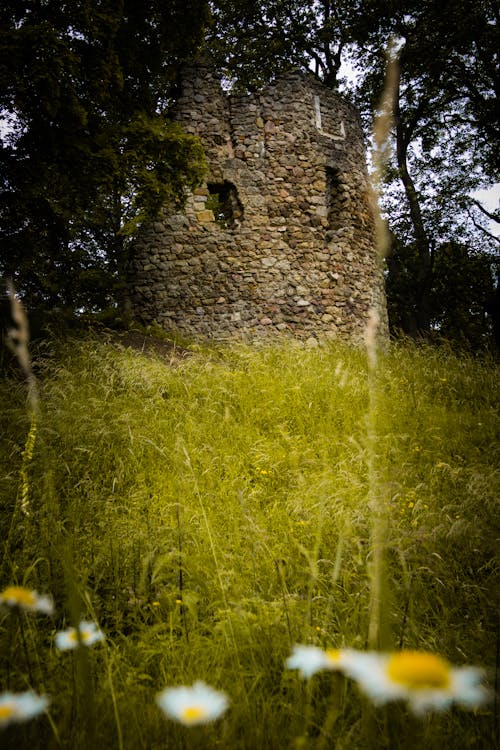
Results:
x,y
212,513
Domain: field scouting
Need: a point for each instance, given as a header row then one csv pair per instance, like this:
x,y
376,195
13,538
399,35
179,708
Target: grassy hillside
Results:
x,y
209,512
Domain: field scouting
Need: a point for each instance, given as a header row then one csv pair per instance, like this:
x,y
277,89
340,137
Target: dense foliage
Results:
x,y
444,147
87,152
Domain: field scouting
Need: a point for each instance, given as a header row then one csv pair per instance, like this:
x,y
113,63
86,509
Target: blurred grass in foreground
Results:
x,y
211,513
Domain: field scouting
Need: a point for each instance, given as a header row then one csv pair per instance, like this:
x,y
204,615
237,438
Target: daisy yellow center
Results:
x,y
191,714
19,596
333,654
417,670
6,711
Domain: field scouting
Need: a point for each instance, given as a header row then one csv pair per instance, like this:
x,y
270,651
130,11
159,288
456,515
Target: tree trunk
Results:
x,y
423,244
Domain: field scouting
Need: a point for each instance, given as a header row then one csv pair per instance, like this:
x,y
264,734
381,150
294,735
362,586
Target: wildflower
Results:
x,y
87,633
31,601
17,707
311,659
427,681
198,704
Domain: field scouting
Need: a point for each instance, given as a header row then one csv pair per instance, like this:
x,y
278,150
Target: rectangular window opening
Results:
x,y
223,200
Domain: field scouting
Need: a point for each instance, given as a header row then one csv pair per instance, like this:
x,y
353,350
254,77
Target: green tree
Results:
x,y
445,129
463,304
87,151
462,290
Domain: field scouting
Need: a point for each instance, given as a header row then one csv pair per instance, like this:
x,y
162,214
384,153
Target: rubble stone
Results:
x,y
279,239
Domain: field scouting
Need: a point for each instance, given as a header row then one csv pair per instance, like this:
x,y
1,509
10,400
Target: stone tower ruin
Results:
x,y
279,239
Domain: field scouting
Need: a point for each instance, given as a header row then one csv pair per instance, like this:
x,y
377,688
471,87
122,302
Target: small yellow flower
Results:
x,y
155,604
87,633
311,659
411,505
427,681
198,704
31,601
18,707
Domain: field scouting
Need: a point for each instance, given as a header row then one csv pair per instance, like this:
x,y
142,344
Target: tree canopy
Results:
x,y
89,151
444,144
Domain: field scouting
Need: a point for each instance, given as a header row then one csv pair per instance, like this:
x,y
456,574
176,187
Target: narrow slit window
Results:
x,y
335,199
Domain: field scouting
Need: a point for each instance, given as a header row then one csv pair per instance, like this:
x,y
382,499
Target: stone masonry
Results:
x,y
279,239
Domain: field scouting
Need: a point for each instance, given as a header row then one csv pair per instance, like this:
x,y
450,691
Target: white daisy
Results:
x,y
17,707
311,659
198,704
89,634
31,601
427,681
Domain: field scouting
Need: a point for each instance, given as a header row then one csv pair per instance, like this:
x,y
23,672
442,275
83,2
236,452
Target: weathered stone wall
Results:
x,y
280,237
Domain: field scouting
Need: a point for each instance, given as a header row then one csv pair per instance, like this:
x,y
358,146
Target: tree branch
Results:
x,y
492,217
483,230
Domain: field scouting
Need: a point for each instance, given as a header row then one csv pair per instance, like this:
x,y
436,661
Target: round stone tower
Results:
x,y
279,239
